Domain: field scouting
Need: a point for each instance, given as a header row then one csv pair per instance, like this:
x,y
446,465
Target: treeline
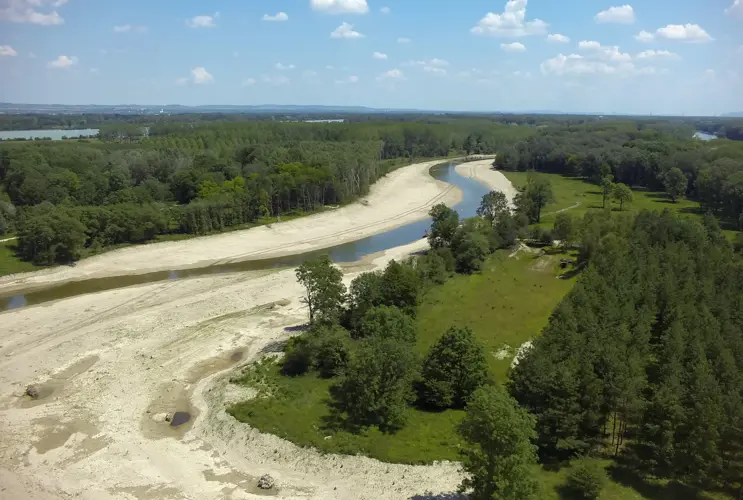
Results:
x,y
197,179
637,157
645,355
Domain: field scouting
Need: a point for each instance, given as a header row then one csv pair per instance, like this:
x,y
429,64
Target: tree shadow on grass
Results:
x,y
623,473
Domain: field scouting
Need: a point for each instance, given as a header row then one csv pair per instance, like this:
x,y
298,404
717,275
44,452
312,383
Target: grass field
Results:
x,y
10,264
576,197
509,303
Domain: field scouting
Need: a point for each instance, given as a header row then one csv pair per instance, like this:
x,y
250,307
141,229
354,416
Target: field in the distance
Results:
x,y
575,196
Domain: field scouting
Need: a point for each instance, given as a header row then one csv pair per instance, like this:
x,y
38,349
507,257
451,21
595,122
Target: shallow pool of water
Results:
x,y
472,192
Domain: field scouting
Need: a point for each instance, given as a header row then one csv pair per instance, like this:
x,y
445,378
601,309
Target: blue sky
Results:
x,y
646,56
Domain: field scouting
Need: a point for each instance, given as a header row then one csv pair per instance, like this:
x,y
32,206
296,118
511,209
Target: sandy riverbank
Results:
x,y
399,198
110,365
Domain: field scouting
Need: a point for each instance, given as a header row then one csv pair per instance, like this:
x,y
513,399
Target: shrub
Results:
x,y
586,479
323,348
297,357
471,253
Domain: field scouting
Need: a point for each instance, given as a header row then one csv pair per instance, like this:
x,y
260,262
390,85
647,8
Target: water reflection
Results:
x,y
472,192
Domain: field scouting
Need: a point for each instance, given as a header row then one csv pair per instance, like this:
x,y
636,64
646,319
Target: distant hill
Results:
x,y
735,114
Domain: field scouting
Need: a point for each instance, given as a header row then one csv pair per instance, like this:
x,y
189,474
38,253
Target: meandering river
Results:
x,y
472,192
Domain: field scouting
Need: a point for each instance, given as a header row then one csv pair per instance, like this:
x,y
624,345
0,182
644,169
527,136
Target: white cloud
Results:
x,y
126,28
577,65
619,15
436,63
692,33
513,47
735,10
385,10
435,70
391,75
32,11
340,6
658,54
403,39
275,80
687,32
511,23
557,38
603,52
63,62
350,80
644,36
199,76
330,67
346,30
284,67
203,21
249,82
7,51
379,56
279,17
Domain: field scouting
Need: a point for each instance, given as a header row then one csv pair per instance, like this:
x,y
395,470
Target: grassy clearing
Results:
x,y
510,302
577,196
10,263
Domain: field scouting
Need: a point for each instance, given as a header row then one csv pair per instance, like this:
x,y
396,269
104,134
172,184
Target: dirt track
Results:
x,y
109,366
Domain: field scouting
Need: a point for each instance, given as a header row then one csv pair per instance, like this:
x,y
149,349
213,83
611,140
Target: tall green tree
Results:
x,y
377,385
443,227
622,193
499,457
324,289
453,369
493,205
607,187
675,183
533,197
387,323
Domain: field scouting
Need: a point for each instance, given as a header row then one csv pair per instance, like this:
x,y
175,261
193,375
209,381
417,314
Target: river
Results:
x,y
472,193
704,136
55,135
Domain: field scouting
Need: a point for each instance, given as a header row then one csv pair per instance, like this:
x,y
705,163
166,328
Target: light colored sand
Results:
x,y
484,173
401,197
115,361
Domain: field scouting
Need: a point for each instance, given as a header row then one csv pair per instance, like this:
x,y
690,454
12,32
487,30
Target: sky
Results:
x,y
648,56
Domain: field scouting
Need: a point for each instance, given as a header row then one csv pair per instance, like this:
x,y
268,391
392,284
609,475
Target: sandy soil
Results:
x,y
481,171
399,198
109,366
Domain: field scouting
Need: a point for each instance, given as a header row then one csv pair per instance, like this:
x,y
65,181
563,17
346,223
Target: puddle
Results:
x,y
149,492
54,433
57,382
180,418
173,398
245,482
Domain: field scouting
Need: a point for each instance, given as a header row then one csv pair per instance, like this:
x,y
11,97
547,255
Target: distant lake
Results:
x,y
56,135
705,137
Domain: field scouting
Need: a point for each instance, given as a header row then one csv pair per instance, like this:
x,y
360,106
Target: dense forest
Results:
x,y
67,198
645,355
195,174
655,158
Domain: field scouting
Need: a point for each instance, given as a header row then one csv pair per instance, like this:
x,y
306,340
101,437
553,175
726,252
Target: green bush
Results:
x,y
386,323
323,348
453,369
586,479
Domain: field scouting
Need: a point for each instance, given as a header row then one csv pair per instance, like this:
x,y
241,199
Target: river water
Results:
x,y
55,135
472,192
704,136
